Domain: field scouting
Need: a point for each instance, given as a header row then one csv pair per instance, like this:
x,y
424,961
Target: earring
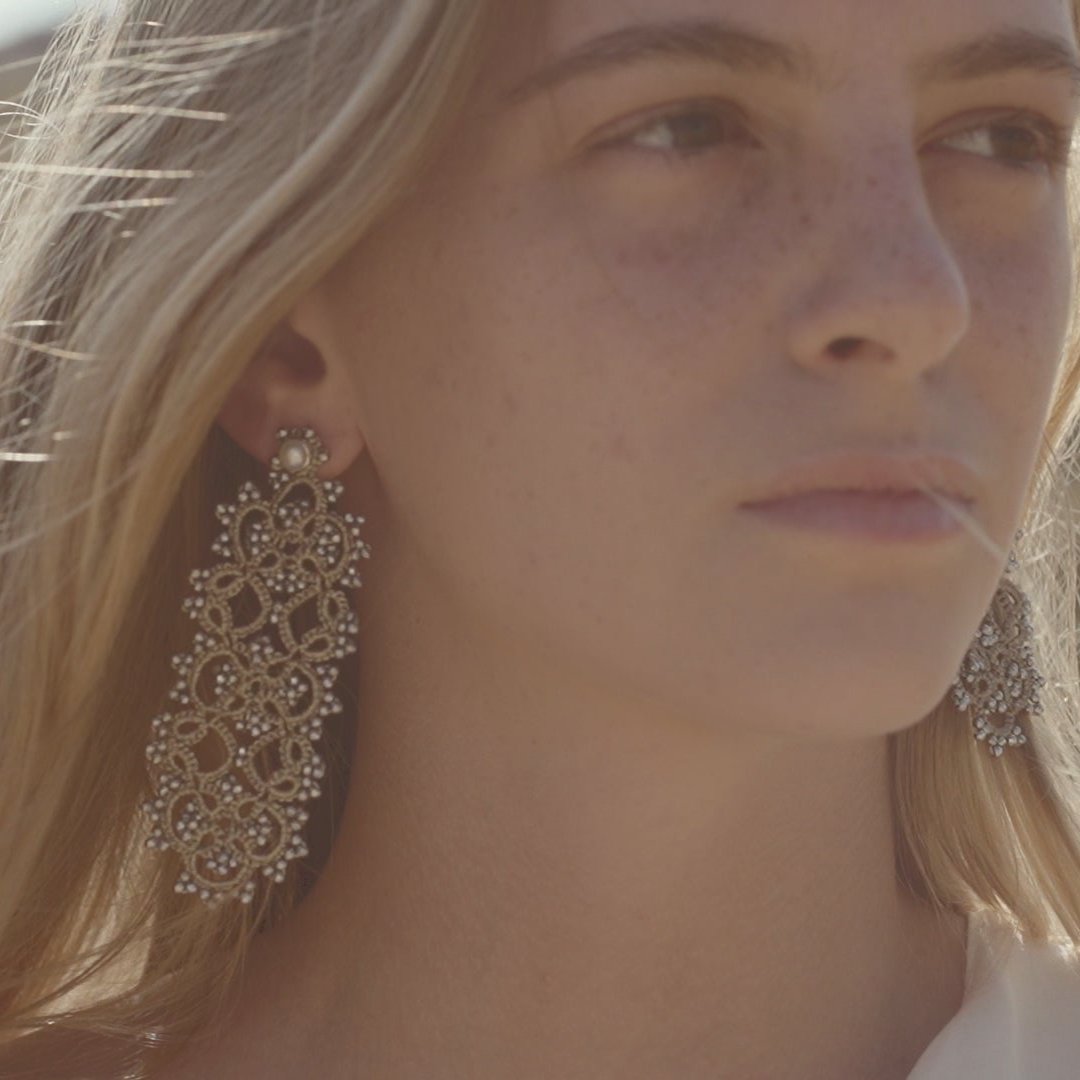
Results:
x,y
998,674
231,770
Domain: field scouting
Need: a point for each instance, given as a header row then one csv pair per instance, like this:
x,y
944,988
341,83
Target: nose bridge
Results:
x,y
882,272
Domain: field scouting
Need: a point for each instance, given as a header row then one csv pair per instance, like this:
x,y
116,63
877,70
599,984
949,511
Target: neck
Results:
x,y
531,886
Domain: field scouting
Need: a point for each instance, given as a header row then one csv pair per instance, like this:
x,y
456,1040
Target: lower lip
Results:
x,y
870,515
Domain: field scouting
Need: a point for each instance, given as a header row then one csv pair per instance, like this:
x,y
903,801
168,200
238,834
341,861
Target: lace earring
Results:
x,y
998,674
233,767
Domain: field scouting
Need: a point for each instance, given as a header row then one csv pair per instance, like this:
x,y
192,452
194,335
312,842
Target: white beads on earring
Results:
x,y
999,678
232,768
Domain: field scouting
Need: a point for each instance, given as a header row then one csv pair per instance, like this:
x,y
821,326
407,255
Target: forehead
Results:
x,y
842,22
818,43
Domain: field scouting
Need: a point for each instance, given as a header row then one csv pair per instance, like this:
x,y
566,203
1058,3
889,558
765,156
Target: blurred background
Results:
x,y
21,17
25,28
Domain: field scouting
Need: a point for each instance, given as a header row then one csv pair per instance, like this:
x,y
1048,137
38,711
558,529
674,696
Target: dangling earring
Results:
x,y
998,674
231,770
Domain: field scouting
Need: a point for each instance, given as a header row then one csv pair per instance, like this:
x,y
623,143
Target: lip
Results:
x,y
867,515
880,473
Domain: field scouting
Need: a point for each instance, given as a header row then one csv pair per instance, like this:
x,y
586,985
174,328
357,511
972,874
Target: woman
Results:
x,y
641,752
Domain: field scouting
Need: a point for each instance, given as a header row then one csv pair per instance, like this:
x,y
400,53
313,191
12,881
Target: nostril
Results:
x,y
844,347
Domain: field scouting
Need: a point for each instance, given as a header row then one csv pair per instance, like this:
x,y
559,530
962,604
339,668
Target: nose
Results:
x,y
886,291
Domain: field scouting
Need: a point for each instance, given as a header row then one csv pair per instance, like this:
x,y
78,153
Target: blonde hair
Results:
x,y
190,169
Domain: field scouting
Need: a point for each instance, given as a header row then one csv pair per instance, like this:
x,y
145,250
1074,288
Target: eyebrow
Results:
x,y
724,42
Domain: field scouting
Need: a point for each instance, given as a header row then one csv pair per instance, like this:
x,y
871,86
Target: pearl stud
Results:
x,y
294,455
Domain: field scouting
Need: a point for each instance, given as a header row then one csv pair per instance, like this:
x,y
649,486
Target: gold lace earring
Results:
x,y
999,677
233,767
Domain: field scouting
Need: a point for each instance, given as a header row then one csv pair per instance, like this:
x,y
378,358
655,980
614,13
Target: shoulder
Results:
x,y
65,1054
1042,985
1019,1018
1045,977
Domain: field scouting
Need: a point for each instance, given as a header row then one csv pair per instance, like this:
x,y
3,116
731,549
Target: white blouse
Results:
x,y
1020,1016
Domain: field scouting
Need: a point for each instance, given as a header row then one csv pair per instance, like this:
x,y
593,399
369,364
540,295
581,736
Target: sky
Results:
x,y
21,17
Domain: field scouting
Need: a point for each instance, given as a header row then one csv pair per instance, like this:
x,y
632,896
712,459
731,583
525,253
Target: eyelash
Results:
x,y
1056,138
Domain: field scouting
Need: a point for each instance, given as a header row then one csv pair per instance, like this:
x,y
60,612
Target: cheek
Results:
x,y
542,334
1021,315
526,387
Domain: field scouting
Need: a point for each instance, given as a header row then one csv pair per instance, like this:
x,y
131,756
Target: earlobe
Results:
x,y
289,383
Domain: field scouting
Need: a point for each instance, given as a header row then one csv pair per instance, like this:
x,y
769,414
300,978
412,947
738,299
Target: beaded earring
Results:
x,y
232,768
998,677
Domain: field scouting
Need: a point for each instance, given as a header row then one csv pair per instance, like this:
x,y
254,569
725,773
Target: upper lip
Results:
x,y
863,471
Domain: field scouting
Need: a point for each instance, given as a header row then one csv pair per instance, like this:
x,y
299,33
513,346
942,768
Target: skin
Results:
x,y
619,804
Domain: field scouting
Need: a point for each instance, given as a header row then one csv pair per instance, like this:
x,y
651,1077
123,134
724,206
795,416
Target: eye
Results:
x,y
1018,139
690,128
1028,140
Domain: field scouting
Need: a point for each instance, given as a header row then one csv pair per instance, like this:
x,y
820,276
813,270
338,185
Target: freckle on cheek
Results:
x,y
655,253
435,377
618,447
661,254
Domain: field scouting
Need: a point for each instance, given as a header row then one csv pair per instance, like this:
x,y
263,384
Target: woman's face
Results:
x,y
618,302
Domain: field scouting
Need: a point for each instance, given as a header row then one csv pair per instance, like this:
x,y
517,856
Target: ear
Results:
x,y
293,382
